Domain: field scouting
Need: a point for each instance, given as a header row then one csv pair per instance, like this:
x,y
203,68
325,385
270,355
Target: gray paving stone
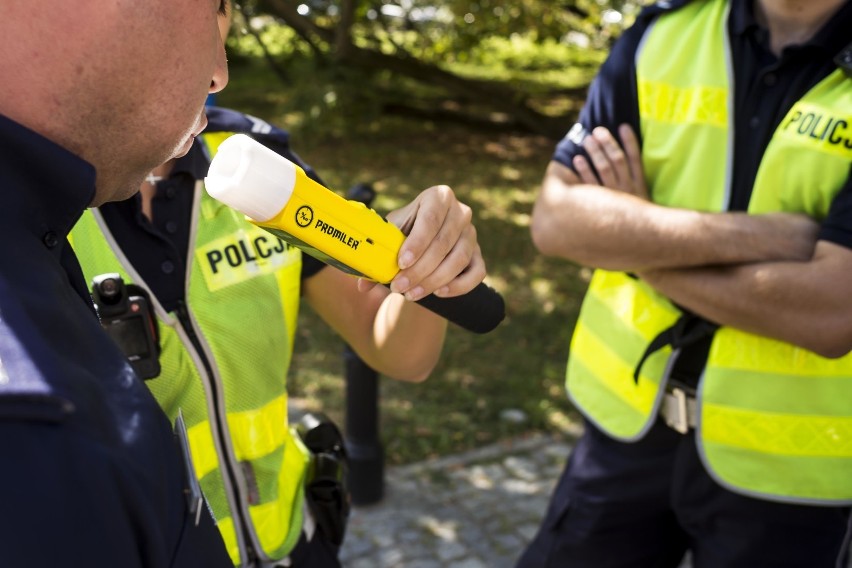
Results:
x,y
522,467
451,551
424,563
509,543
356,547
528,531
391,557
362,563
476,510
468,563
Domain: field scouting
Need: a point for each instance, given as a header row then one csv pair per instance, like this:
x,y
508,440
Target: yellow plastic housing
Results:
x,y
346,234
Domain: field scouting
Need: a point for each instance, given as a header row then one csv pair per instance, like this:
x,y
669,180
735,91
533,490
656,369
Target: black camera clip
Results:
x,y
128,317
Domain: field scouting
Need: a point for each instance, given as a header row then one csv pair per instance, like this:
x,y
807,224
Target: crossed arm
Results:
x,y
766,274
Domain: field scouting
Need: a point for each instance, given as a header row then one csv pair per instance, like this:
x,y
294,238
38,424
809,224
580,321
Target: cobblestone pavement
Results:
x,y
476,510
473,510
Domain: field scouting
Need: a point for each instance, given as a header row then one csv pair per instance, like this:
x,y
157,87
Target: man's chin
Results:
x,y
127,194
119,195
182,151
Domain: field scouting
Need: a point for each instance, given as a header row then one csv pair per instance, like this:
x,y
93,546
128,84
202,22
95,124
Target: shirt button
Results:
x,y
170,191
171,227
754,122
50,239
770,79
167,267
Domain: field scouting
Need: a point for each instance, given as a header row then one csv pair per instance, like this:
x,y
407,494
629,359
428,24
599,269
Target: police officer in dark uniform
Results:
x,y
93,473
754,96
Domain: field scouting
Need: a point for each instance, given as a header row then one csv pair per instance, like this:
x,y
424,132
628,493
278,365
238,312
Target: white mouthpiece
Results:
x,y
249,177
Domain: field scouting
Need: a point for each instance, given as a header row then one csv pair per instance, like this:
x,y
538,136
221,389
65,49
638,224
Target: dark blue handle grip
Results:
x,y
480,310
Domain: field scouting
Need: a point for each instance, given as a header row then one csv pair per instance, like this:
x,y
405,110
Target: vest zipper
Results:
x,y
219,427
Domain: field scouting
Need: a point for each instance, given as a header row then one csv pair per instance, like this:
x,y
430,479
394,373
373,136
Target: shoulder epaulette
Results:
x,y
844,60
662,6
34,407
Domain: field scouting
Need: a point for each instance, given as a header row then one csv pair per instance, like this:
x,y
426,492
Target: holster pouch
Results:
x,y
325,486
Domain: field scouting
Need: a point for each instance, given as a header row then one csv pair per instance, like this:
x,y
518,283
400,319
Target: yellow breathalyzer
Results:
x,y
276,195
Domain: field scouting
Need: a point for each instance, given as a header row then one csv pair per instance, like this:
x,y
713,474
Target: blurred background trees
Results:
x,y
507,64
404,94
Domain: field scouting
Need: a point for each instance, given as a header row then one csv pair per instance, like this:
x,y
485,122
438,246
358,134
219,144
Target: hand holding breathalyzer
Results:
x,y
440,251
276,195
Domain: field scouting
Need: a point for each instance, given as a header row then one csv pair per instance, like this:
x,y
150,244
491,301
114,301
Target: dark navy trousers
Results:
x,y
644,504
315,553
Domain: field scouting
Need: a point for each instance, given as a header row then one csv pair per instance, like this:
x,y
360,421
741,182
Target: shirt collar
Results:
x,y
833,36
741,18
46,188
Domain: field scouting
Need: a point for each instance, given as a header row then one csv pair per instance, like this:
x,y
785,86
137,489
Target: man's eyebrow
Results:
x,y
223,8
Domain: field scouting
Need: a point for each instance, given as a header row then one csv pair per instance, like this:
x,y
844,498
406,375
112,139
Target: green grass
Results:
x,y
521,364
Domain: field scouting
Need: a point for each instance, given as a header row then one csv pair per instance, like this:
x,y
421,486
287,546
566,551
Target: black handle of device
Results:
x,y
480,310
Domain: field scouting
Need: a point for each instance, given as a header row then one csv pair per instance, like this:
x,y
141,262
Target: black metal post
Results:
x,y
364,448
365,451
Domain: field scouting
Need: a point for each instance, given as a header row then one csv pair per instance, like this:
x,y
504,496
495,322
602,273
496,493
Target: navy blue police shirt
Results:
x,y
765,87
92,474
159,250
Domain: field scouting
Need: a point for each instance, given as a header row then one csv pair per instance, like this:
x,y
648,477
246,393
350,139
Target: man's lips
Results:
x,y
202,124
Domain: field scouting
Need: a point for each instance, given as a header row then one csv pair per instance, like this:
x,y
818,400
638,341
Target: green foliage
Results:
x,y
523,52
326,100
280,41
438,30
338,99
520,365
533,45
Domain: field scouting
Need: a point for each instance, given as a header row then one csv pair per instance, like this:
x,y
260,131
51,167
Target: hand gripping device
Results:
x,y
276,195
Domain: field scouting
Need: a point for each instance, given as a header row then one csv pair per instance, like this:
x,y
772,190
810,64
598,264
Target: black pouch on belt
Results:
x,y
325,487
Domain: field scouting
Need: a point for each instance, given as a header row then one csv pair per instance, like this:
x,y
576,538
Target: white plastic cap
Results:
x,y
249,177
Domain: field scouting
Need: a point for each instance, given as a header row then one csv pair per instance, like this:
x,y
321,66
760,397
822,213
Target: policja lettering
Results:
x,y
246,250
820,127
337,234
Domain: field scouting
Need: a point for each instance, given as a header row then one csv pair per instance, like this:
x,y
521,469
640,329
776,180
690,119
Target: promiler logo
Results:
x,y
337,234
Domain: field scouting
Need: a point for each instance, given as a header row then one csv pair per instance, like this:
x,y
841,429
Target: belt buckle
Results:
x,y
680,421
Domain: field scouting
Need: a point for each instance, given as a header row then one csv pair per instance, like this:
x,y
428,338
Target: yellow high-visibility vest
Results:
x,y
243,299
775,420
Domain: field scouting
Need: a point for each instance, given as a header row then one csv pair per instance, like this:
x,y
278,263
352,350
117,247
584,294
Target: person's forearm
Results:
x,y
395,337
803,303
407,339
609,229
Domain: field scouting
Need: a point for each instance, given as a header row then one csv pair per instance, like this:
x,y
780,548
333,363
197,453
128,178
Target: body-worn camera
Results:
x,y
326,492
127,316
